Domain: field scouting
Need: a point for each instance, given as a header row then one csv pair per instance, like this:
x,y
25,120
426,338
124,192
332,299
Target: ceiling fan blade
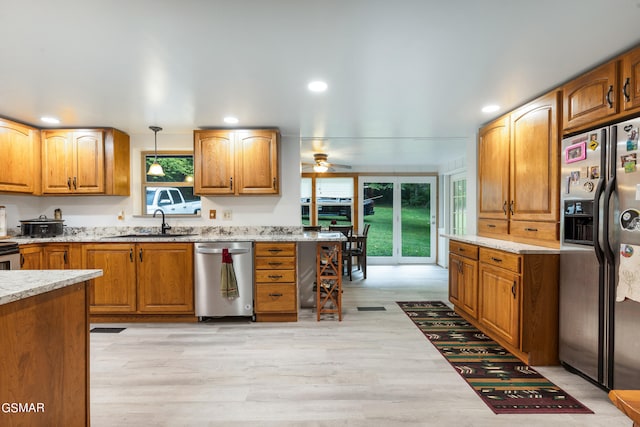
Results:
x,y
337,165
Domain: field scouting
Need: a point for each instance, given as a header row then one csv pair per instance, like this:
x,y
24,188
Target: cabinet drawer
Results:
x,y
275,298
275,276
463,249
490,227
275,263
536,230
500,259
275,249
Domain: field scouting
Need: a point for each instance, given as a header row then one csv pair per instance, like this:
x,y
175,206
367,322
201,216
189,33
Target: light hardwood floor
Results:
x,y
375,368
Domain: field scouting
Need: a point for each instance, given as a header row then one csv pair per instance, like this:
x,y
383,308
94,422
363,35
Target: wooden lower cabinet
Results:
x,y
276,288
45,359
463,277
31,257
517,299
148,281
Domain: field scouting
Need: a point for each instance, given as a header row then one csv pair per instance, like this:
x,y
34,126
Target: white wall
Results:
x,y
93,211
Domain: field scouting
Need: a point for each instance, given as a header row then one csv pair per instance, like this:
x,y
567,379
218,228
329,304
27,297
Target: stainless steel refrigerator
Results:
x,y
600,256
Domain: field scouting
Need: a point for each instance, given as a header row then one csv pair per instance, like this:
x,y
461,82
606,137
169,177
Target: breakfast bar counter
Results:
x,y
44,336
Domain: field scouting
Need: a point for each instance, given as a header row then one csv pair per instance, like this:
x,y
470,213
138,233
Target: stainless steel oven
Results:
x,y
9,256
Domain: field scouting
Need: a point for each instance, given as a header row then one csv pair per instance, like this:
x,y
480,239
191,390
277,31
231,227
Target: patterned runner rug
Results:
x,y
504,383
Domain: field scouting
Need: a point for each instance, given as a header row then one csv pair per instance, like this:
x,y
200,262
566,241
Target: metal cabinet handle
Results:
x,y
69,182
513,289
274,294
64,257
504,207
275,250
140,255
491,226
625,90
274,183
274,276
21,260
131,254
494,259
75,183
460,249
610,96
231,183
275,264
530,229
512,207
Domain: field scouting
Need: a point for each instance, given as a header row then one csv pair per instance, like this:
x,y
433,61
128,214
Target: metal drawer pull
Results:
x,y
275,264
530,229
275,295
460,249
494,259
275,250
275,276
491,225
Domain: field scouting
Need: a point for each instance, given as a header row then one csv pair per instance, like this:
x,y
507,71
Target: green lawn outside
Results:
x,y
416,232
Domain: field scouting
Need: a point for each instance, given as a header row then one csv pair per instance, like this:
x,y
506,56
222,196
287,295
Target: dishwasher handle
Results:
x,y
205,250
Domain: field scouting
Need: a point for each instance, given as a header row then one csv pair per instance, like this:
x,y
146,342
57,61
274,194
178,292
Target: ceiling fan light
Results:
x,y
320,168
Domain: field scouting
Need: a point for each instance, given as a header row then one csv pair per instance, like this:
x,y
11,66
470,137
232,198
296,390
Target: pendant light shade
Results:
x,y
155,169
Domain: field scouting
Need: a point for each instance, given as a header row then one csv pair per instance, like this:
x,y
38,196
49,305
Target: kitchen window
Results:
x,y
459,204
173,192
332,198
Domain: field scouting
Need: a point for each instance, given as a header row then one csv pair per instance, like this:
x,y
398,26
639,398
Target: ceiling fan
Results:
x,y
320,164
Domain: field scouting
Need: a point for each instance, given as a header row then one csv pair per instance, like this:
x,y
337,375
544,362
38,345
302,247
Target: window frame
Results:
x,y
144,183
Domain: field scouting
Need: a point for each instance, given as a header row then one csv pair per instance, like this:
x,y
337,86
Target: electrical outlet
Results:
x,y
212,214
226,215
121,215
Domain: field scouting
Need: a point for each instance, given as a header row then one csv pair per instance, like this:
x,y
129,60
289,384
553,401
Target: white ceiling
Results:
x,y
407,78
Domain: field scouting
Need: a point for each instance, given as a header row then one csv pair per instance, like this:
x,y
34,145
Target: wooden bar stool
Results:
x,y
329,278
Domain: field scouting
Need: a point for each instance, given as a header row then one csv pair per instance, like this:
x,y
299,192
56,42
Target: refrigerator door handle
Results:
x,y
608,194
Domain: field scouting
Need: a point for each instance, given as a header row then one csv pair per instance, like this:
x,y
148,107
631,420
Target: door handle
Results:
x,y
610,96
140,255
513,289
504,207
231,183
131,254
75,183
625,90
511,207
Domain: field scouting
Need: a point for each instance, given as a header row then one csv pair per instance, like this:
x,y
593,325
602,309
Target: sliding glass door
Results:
x,y
401,212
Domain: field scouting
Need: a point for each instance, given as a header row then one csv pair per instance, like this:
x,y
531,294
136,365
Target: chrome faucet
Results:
x,y
164,226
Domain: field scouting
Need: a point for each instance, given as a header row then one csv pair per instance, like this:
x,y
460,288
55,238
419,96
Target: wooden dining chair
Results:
x,y
359,250
347,230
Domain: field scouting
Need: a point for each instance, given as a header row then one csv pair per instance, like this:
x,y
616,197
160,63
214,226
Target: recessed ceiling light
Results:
x,y
231,120
51,120
317,86
490,108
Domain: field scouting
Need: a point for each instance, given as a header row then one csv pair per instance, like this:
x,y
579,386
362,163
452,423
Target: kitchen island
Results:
x,y
44,337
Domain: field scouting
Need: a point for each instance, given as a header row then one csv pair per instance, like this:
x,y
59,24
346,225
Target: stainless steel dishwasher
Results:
x,y
208,268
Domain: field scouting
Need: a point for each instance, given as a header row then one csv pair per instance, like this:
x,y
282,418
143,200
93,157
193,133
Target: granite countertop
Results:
x,y
184,234
20,284
503,245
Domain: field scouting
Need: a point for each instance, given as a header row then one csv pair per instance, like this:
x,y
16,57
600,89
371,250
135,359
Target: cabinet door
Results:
x,y
257,162
630,89
493,169
455,279
499,308
115,291
469,300
591,97
534,179
88,175
19,151
57,162
31,257
214,162
56,257
165,277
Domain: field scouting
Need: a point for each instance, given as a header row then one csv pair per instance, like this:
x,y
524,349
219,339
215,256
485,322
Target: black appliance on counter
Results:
x,y
41,227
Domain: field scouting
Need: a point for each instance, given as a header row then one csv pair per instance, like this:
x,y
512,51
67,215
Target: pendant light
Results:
x,y
155,169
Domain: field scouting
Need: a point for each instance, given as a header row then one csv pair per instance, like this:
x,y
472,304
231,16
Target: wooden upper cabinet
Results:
x,y
630,82
534,177
236,162
20,154
85,161
72,162
493,169
591,97
214,162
